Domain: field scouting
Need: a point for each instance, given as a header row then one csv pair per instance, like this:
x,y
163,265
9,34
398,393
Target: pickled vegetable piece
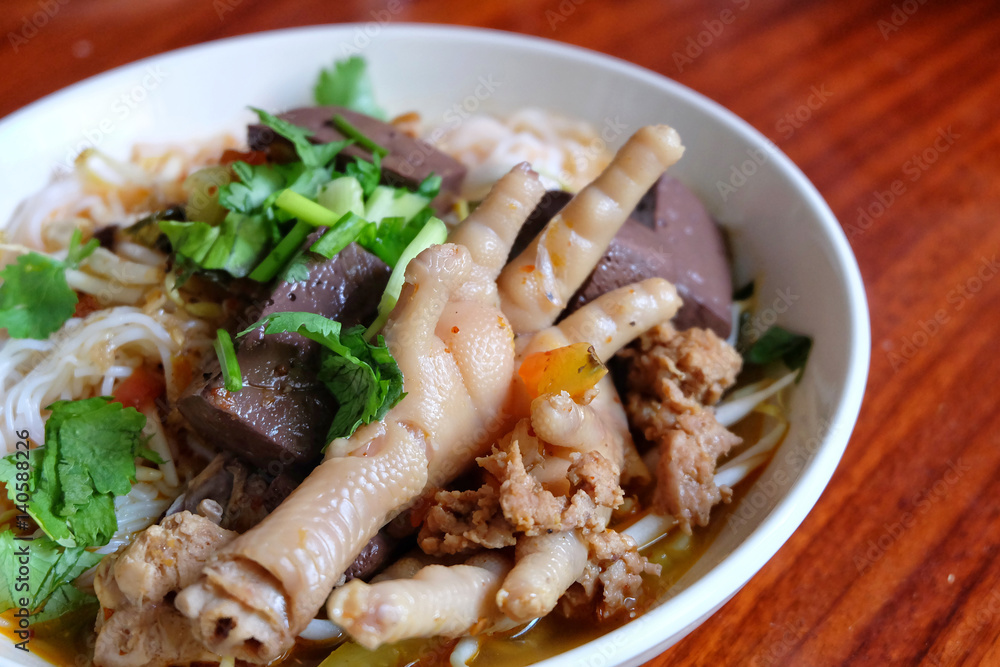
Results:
x,y
574,368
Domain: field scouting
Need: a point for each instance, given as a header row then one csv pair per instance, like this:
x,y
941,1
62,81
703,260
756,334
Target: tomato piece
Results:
x,y
250,157
141,389
85,304
574,369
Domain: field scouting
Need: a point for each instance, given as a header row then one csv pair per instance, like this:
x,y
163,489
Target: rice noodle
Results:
x,y
465,651
137,511
158,443
83,359
742,402
567,153
321,630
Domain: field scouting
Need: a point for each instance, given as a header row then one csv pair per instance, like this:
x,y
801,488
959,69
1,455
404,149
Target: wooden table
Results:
x,y
891,110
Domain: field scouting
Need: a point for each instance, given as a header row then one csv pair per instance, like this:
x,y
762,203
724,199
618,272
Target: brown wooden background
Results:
x,y
890,108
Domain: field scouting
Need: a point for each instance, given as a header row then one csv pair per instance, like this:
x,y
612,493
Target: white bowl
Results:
x,y
783,232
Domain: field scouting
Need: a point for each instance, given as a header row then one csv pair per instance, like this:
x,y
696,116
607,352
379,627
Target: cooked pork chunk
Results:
x,y
612,580
673,378
700,363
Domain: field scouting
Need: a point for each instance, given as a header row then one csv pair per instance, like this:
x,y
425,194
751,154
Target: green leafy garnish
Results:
x,y
364,378
48,591
368,174
255,185
236,246
232,377
389,202
313,156
778,343
88,459
433,232
389,239
305,209
357,136
347,229
250,230
430,186
346,84
282,254
297,270
35,299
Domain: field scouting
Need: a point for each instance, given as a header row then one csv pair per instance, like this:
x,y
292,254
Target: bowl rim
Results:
x,y
711,591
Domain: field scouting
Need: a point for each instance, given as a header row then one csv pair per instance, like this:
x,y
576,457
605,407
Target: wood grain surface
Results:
x,y
891,109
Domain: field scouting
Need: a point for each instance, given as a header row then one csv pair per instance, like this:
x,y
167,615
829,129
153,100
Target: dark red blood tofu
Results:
x,y
408,163
669,235
281,416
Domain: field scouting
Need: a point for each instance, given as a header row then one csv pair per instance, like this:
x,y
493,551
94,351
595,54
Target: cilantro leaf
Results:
x,y
430,186
346,84
88,459
236,246
51,572
313,156
364,378
367,173
778,343
389,239
297,269
35,299
256,184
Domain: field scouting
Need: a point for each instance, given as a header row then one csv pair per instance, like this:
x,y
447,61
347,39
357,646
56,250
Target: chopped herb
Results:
x,y
256,184
236,246
51,571
224,349
147,230
430,186
778,343
389,239
312,155
305,209
344,195
297,270
389,202
35,299
433,233
364,378
359,137
282,253
346,230
367,173
88,459
346,84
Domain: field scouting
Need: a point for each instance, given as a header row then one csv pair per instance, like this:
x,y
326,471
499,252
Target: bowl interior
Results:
x,y
783,234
